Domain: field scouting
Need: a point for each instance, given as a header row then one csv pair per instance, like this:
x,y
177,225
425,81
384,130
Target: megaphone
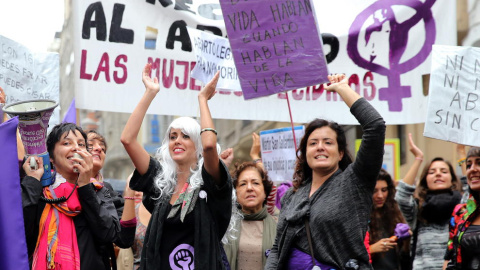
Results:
x,y
33,116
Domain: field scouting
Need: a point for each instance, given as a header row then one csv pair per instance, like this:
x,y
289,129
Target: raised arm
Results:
x,y
209,137
413,171
370,154
339,84
135,150
255,150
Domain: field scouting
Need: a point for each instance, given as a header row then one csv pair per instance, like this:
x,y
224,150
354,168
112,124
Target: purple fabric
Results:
x,y
300,260
13,246
128,223
71,114
281,191
402,231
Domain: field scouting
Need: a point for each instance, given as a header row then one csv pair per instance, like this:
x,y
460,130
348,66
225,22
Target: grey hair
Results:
x,y
166,180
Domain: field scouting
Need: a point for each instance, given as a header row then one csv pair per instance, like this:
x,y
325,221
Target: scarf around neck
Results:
x,y
460,222
438,206
57,246
185,202
268,237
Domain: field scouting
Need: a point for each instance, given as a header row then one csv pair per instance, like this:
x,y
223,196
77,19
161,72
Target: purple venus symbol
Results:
x,y
384,20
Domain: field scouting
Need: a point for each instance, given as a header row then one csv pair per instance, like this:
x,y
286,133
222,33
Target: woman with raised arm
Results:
x,y
324,219
428,213
186,187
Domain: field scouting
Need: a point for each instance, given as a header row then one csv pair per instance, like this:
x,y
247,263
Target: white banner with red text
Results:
x,y
382,46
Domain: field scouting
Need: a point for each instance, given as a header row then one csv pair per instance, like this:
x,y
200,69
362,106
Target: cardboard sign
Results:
x,y
278,152
454,99
25,75
213,53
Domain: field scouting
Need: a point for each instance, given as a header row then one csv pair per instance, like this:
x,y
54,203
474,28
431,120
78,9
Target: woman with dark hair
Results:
x,y
186,187
97,147
255,235
387,227
330,192
428,213
463,250
67,222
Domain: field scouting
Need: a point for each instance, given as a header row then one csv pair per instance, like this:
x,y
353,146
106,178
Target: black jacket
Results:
x,y
212,216
96,226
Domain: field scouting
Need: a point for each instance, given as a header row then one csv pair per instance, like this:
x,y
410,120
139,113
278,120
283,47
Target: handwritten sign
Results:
x,y
213,53
276,45
25,75
454,99
278,152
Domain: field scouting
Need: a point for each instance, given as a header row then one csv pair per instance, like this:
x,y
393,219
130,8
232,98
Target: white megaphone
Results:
x,y
33,116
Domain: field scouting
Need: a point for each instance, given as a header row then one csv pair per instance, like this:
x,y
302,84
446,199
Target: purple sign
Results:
x,y
276,45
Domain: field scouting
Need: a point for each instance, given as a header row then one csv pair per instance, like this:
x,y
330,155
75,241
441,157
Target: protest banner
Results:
x,y
278,152
213,53
391,156
25,75
274,44
453,104
112,45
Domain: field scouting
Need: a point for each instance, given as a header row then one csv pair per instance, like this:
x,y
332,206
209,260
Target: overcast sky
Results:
x,y
32,23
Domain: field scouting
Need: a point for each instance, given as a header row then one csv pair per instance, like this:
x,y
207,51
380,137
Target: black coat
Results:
x,y
96,226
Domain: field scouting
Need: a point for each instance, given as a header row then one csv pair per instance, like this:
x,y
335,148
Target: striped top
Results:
x,y
431,238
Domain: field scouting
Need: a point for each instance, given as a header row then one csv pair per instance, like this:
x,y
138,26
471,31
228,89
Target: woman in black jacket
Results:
x,y
66,233
186,187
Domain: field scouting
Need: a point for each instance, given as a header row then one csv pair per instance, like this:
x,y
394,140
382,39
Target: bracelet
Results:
x,y
419,158
258,160
208,129
461,161
129,198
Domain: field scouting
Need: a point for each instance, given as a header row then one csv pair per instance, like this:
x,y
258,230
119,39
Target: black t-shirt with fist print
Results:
x,y
177,242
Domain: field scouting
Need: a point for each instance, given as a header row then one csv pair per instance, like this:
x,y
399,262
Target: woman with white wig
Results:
x,y
186,187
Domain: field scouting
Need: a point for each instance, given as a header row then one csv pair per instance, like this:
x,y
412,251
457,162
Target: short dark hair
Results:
x,y
473,152
98,136
267,183
302,170
56,134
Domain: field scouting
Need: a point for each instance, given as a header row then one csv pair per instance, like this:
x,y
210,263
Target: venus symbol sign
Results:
x,y
380,23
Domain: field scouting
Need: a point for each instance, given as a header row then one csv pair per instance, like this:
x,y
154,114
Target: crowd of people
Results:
x,y
184,209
